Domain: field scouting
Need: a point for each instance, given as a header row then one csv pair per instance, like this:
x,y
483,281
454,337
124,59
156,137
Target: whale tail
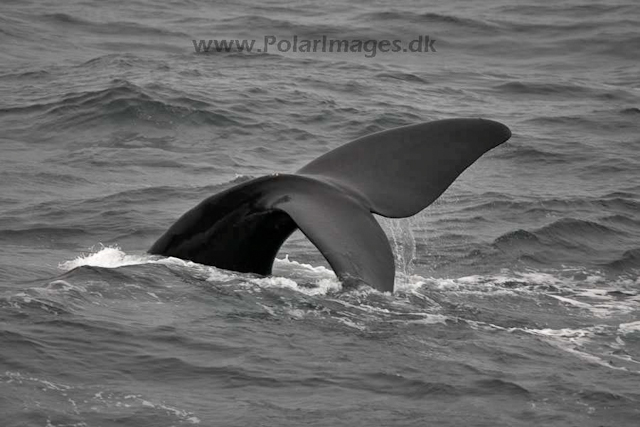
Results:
x,y
394,173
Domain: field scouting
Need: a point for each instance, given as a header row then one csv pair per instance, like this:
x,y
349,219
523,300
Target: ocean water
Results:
x,y
517,298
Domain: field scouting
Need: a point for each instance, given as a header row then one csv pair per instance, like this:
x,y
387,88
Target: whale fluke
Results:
x,y
394,173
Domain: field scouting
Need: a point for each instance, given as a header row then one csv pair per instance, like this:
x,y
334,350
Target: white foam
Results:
x,y
321,287
20,378
431,319
408,283
107,257
296,313
470,285
216,275
322,279
572,302
114,257
275,282
178,413
575,335
628,328
352,324
573,341
307,267
319,280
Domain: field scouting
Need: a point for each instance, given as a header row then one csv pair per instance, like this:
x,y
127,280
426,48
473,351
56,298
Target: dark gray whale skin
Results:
x,y
394,173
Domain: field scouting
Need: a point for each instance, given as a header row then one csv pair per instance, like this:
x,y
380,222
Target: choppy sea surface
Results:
x,y
517,298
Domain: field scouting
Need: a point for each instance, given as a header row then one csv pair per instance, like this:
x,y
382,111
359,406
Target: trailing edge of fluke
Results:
x,y
395,173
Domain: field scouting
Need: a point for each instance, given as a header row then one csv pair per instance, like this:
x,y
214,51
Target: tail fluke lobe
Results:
x,y
403,170
344,231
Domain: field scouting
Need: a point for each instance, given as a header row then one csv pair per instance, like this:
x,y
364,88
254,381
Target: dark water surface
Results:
x,y
517,300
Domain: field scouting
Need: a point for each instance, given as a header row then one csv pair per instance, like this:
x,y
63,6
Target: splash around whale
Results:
x,y
395,173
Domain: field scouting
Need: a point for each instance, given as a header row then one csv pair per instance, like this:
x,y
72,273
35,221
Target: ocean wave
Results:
x,y
429,18
516,237
617,203
402,386
622,222
118,61
124,103
61,404
571,241
303,277
543,89
111,28
528,154
57,297
42,178
571,227
31,74
406,77
566,19
569,9
611,165
262,24
43,234
15,27
114,202
630,259
566,90
118,288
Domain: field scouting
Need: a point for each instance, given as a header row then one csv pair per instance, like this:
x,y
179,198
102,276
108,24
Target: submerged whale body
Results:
x,y
394,173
